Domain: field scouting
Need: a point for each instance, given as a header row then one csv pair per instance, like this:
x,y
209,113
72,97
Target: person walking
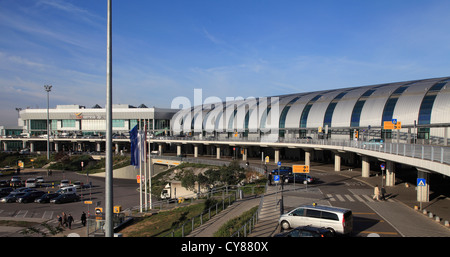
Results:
x,y
60,221
70,220
376,193
64,218
383,193
83,219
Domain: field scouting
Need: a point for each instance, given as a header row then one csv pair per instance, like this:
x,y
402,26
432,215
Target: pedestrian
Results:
x,y
270,179
64,218
70,220
83,219
376,193
60,221
383,192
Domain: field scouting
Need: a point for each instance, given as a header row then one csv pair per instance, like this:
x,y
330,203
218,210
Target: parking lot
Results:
x,y
125,195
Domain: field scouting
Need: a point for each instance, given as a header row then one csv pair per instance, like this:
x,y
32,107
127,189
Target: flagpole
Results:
x,y
150,174
109,231
144,144
140,169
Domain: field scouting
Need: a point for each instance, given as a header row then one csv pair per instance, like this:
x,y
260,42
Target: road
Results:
x,y
343,192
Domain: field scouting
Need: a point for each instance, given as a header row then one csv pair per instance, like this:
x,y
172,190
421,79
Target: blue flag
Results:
x,y
134,146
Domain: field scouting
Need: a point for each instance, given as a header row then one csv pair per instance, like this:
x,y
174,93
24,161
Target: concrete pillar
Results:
x,y
56,147
390,174
5,146
218,151
160,149
365,167
117,148
195,151
423,192
307,157
98,147
277,155
244,155
337,162
178,150
31,147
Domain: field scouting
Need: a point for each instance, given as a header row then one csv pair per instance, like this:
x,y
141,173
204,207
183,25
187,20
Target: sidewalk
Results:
x,y
235,210
267,225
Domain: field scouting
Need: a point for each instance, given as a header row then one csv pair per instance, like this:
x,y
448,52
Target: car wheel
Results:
x,y
285,225
332,231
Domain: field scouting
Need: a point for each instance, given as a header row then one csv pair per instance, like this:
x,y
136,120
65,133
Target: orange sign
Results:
x,y
300,168
390,125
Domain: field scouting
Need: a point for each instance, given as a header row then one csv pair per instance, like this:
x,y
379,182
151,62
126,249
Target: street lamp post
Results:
x,y
48,88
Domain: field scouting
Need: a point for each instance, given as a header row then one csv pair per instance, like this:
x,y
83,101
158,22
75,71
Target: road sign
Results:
x,y
394,121
300,168
279,164
421,182
390,125
276,178
267,159
87,202
382,166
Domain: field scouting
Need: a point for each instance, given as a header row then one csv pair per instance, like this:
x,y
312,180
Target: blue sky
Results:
x,y
165,48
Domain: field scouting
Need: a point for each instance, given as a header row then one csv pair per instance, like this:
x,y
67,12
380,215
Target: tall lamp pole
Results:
x,y
108,162
48,88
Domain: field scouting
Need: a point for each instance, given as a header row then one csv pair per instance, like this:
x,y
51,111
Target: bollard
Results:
x,y
437,219
425,211
430,215
446,223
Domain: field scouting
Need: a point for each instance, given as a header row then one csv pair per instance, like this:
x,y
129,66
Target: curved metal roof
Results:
x,y
339,108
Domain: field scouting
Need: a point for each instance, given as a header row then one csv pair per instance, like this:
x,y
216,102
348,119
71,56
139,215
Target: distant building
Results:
x,y
70,119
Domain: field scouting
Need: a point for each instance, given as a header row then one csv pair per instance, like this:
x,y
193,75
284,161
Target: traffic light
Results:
x,y
356,133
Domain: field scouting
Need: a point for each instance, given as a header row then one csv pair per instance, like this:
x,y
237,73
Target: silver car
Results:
x,y
337,220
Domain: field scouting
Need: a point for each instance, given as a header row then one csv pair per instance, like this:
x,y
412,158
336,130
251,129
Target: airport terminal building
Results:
x,y
421,108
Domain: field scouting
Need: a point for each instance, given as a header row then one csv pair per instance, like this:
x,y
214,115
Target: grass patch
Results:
x,y
227,229
17,223
163,222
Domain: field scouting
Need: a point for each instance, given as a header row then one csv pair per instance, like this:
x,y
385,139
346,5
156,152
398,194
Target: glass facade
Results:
x,y
427,103
389,107
356,113
305,113
330,109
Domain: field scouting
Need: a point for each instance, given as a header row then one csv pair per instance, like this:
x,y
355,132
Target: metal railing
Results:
x,y
435,153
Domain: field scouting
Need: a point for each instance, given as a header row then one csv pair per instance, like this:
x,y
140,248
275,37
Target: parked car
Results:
x,y
374,141
12,197
23,189
46,198
31,182
40,179
300,178
64,183
306,231
5,191
65,198
29,196
4,183
15,182
337,220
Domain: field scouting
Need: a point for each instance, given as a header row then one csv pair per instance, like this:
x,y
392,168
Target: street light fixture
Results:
x,y
48,88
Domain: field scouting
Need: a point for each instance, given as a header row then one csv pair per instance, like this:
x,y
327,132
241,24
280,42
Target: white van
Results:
x,y
337,220
67,190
